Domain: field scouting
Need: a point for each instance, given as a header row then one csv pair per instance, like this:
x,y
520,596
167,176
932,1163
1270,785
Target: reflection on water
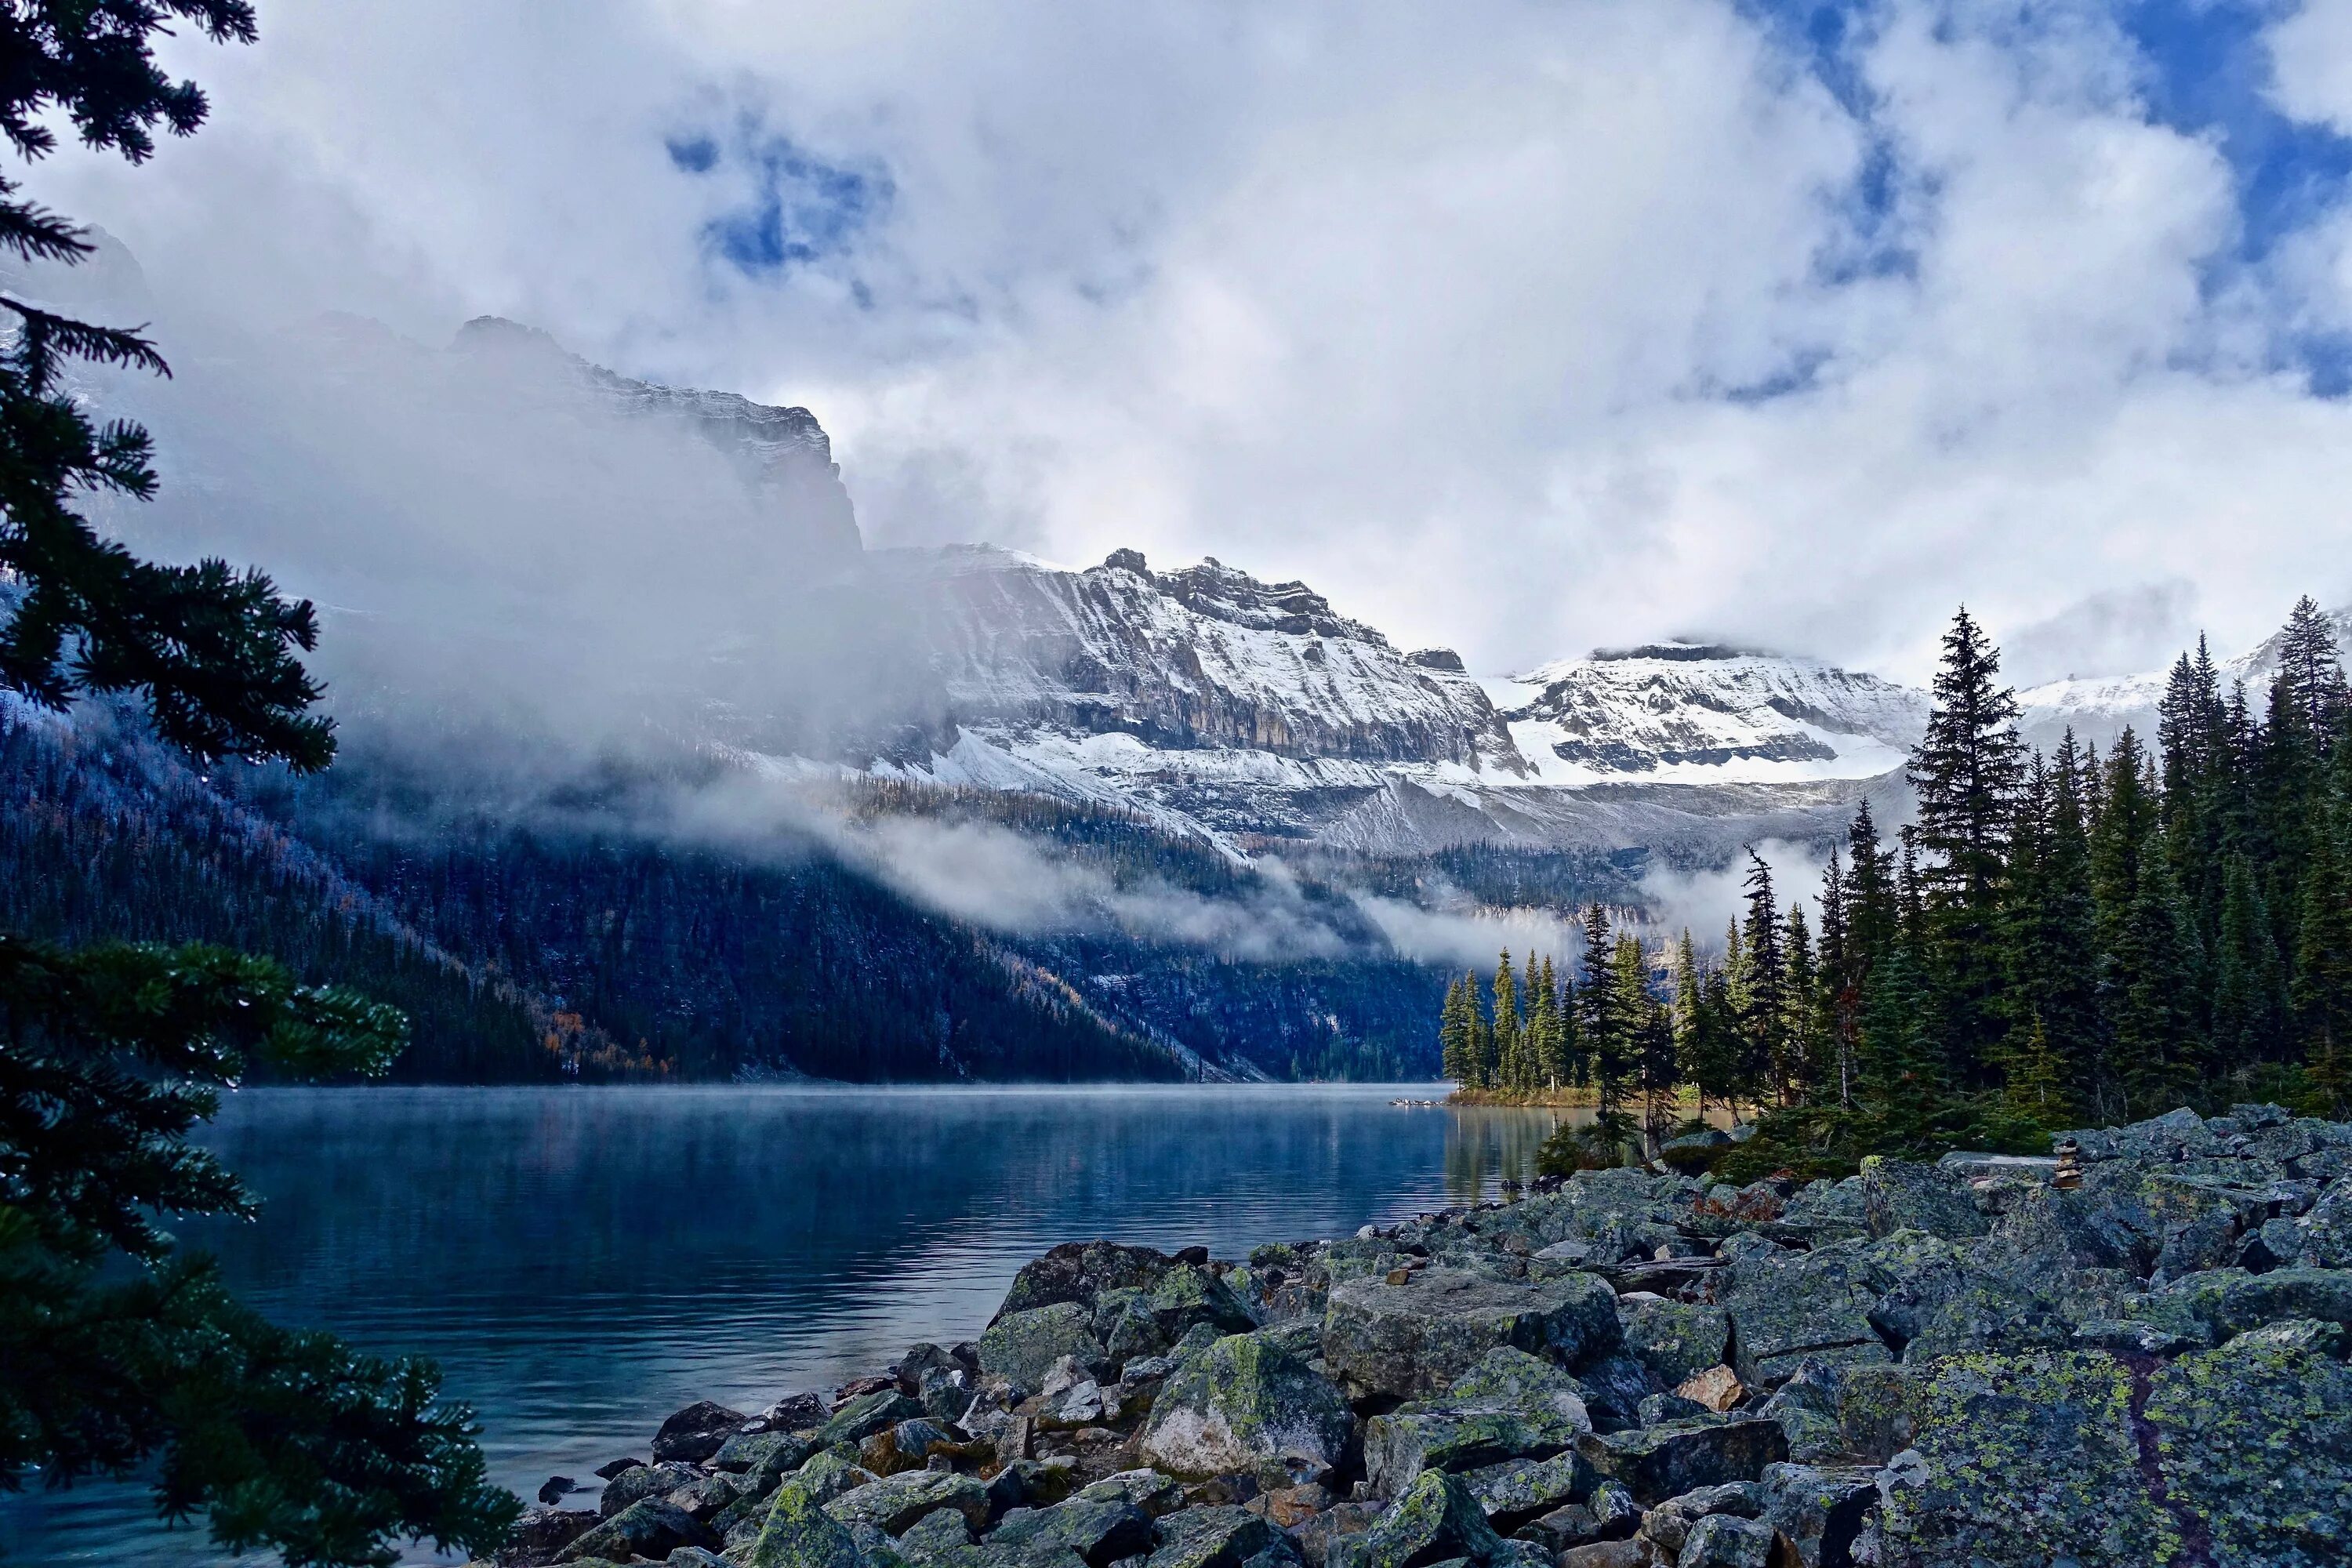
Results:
x,y
583,1261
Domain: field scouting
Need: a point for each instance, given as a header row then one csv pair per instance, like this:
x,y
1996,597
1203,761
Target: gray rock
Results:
x,y
1081,1271
770,1453
1100,1530
1022,1345
2255,1442
1660,1462
1244,1406
705,1497
2024,1459
860,1418
1722,1541
1186,1296
1787,1306
1415,1337
641,1482
1435,1519
648,1528
1314,1537
799,1534
1669,1524
1820,1510
1899,1195
1674,1339
938,1536
1517,1491
895,1502
1211,1538
1657,1407
696,1433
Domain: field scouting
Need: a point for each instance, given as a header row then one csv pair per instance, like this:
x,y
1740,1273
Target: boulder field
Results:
x,y
2134,1356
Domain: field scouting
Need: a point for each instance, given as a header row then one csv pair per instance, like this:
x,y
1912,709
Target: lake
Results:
x,y
583,1261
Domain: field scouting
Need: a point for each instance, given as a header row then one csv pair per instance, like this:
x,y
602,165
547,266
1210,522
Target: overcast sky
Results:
x,y
1522,328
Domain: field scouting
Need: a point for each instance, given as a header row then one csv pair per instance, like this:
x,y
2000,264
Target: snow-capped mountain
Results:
x,y
2099,708
1681,712
1215,702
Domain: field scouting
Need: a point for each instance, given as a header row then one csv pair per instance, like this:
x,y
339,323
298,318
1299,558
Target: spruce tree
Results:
x,y
1605,1028
2251,1021
1801,1033
1509,1067
123,1353
2323,969
2049,935
1965,773
1765,1024
2145,972
1456,1034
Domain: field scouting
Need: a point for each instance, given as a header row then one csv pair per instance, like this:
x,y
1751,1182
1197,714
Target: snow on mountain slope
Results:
x,y
1689,713
1214,702
2099,708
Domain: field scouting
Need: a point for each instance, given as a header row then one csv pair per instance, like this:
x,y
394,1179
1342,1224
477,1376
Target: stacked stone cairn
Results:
x,y
1966,1364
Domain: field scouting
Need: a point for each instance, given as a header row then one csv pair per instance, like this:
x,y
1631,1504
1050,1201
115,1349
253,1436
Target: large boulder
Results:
x,y
1415,1337
1510,1406
696,1433
1899,1195
1435,1521
2255,1440
640,1482
1213,1538
2024,1459
1518,1490
1820,1510
799,1534
1675,1340
1187,1295
859,1418
1081,1271
650,1529
1677,1456
1244,1406
1788,1306
1022,1345
894,1502
1099,1527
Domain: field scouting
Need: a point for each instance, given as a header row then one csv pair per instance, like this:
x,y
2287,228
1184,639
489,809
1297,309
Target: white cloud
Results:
x,y
1435,307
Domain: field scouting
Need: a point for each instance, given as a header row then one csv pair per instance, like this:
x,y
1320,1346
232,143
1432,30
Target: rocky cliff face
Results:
x,y
782,453
1693,713
1207,656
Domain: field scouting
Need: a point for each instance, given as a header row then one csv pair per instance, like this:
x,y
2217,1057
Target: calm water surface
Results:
x,y
583,1261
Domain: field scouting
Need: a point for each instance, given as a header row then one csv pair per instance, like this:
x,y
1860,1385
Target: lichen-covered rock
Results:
x,y
1820,1510
799,1534
1096,1528
1400,1446
1508,1378
1211,1538
2024,1459
860,1418
1416,1337
1186,1296
2255,1442
894,1502
1244,1406
2324,1233
1787,1306
1724,1541
1022,1345
1899,1195
652,1528
1675,1340
1669,1524
2227,1301
762,1453
696,1433
640,1482
829,1474
1660,1462
1435,1519
1081,1271
1517,1491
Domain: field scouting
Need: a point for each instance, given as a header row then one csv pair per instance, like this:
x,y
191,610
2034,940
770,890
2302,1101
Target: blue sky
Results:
x,y
1521,326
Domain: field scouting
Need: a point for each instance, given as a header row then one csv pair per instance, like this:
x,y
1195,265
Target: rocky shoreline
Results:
x,y
2134,1356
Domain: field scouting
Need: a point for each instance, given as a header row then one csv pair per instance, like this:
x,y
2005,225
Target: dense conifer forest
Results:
x,y
2054,939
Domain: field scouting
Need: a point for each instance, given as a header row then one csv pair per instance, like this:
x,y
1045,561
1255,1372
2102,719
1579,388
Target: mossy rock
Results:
x,y
2256,1441
1244,1406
